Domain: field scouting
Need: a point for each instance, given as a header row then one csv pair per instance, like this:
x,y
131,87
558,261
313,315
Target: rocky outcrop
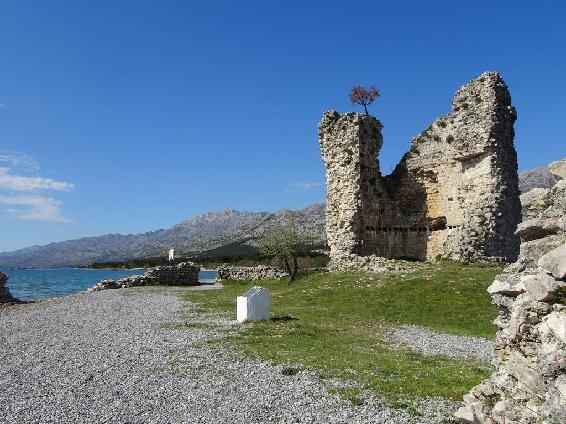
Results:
x,y
454,194
5,296
558,169
534,190
253,273
529,384
182,274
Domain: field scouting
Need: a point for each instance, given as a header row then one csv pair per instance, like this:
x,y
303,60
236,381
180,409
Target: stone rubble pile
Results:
x,y
253,273
182,274
529,384
370,263
5,296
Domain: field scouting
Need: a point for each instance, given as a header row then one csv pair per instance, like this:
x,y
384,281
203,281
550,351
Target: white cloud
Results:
x,y
34,207
21,183
29,203
304,186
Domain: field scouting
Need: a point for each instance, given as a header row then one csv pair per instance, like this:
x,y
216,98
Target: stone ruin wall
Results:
x,y
454,194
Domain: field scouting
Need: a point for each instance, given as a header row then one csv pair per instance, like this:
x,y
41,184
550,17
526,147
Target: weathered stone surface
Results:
x,y
507,285
5,296
532,201
555,262
557,324
536,228
558,169
253,273
182,274
542,287
530,346
531,251
465,415
454,194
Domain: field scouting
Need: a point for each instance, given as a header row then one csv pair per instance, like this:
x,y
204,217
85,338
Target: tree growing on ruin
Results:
x,y
286,243
364,96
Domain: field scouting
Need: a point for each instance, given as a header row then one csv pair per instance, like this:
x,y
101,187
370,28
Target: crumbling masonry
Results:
x,y
454,194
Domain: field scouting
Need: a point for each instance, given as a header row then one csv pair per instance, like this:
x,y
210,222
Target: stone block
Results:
x,y
537,228
555,262
253,305
556,322
541,287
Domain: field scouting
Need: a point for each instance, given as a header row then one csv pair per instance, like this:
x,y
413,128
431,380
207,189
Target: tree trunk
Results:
x,y
295,270
366,109
287,266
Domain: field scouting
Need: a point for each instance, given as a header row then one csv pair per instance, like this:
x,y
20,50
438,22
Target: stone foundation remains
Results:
x,y
182,274
454,194
253,273
529,383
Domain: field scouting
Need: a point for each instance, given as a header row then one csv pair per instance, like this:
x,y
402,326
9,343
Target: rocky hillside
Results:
x,y
209,232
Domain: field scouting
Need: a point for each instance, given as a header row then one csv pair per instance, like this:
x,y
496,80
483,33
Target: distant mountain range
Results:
x,y
215,233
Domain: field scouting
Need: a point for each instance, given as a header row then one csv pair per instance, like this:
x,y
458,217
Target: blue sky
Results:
x,y
129,116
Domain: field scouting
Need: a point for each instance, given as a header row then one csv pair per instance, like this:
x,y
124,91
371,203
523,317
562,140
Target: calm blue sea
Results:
x,y
32,284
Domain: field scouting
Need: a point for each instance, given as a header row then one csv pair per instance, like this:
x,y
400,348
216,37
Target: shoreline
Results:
x,y
39,284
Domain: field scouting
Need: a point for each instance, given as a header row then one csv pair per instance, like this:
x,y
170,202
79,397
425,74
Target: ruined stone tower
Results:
x,y
454,194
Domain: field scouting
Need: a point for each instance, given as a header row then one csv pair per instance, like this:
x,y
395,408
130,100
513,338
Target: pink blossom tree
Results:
x,y
363,96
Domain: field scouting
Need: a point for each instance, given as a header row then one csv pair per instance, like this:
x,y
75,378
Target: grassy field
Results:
x,y
339,323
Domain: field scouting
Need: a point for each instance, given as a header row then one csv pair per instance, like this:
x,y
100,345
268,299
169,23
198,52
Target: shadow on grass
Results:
x,y
283,318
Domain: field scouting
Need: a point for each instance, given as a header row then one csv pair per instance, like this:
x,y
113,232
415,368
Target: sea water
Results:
x,y
33,284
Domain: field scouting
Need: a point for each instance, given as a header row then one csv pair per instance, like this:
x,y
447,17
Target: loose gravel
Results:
x,y
430,342
142,355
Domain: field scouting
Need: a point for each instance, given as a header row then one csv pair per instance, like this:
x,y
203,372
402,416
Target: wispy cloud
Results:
x,y
21,194
19,160
303,186
22,183
34,207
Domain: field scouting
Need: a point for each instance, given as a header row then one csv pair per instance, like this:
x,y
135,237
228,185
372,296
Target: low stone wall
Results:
x,y
253,273
5,296
529,382
182,274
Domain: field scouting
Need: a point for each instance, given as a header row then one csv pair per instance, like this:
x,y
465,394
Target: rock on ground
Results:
x,y
120,356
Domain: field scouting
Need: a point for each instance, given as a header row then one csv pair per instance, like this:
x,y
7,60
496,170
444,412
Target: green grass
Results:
x,y
338,323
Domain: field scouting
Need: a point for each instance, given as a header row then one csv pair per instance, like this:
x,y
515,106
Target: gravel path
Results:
x,y
117,356
430,342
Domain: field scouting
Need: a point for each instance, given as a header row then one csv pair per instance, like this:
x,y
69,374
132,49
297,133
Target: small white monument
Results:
x,y
171,254
253,305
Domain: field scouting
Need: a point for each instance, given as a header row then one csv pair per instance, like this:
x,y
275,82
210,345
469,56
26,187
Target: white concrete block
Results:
x,y
253,305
